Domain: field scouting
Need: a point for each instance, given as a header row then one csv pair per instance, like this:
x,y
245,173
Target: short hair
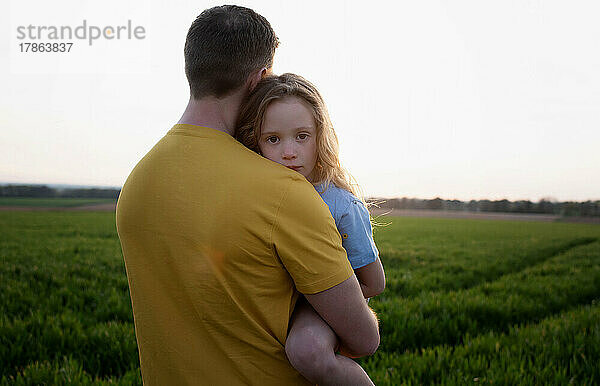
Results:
x,y
224,45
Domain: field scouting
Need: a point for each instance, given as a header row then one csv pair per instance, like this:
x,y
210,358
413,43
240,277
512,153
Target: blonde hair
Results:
x,y
248,128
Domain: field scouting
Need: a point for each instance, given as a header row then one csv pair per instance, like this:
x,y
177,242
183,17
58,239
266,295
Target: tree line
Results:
x,y
44,191
544,206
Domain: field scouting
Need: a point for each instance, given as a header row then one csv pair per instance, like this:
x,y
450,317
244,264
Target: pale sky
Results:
x,y
456,99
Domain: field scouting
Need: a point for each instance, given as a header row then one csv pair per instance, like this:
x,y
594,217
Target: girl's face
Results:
x,y
289,135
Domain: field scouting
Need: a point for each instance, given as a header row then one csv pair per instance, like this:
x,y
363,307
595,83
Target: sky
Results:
x,y
453,99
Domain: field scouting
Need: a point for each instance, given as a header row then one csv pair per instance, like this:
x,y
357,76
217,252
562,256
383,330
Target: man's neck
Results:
x,y
218,114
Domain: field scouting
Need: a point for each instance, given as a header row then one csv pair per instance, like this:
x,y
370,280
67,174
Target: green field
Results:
x,y
52,202
467,301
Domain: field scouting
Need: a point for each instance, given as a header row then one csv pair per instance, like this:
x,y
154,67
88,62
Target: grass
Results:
x,y
468,301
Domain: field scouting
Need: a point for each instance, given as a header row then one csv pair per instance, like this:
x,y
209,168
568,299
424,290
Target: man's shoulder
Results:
x,y
269,173
241,159
274,181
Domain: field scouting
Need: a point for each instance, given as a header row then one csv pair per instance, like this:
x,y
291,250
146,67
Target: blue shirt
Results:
x,y
352,221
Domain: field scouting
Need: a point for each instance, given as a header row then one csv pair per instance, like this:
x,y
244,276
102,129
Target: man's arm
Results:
x,y
344,309
309,246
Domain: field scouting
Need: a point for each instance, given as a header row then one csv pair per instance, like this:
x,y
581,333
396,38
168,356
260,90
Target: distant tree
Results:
x,y
37,191
473,206
501,206
545,207
486,206
436,203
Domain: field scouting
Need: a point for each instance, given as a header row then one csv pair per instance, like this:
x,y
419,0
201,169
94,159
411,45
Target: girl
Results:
x,y
286,121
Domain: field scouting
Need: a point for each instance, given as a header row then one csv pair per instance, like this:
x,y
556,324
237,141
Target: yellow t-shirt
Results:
x,y
216,240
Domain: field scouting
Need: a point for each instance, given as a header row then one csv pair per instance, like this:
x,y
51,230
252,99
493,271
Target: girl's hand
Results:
x,y
371,278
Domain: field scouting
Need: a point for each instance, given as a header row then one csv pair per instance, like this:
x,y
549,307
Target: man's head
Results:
x,y
224,46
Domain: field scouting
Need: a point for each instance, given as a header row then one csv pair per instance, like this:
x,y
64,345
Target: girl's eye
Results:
x,y
272,139
302,136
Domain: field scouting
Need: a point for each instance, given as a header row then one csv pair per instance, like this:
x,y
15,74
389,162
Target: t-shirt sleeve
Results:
x,y
357,235
307,242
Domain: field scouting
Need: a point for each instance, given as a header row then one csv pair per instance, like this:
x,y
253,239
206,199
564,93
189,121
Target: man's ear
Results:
x,y
256,77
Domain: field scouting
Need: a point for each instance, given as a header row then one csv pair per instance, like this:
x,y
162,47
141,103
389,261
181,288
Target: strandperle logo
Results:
x,y
81,32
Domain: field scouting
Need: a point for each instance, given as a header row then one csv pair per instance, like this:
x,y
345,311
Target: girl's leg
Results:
x,y
310,348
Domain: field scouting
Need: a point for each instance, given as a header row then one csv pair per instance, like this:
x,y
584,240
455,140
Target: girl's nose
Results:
x,y
289,152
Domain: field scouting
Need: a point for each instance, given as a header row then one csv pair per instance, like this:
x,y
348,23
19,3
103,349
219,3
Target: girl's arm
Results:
x,y
371,278
357,239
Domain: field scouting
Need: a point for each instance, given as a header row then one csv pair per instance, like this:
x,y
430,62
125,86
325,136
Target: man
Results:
x,y
218,241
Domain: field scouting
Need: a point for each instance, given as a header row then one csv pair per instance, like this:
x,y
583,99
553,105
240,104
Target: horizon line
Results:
x,y
115,187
